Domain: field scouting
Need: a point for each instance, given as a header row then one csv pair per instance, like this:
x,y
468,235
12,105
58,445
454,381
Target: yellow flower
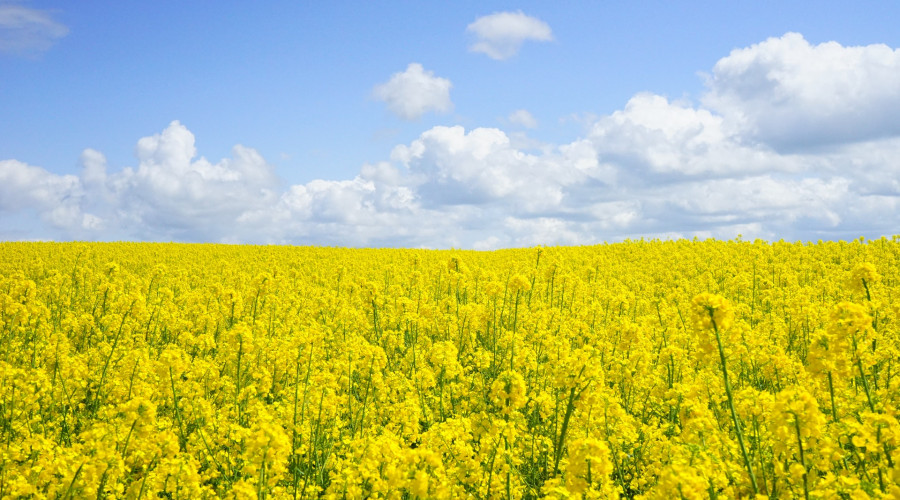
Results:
x,y
797,471
709,309
418,486
848,319
519,283
589,462
217,371
863,277
508,392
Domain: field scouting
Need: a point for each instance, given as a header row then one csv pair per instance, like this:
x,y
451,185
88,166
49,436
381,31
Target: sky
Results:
x,y
463,124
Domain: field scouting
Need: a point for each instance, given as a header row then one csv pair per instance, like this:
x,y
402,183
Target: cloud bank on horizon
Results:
x,y
789,140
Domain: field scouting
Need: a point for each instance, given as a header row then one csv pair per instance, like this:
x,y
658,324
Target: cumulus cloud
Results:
x,y
792,95
452,187
652,136
176,193
171,194
500,35
449,166
56,198
655,168
414,92
28,32
765,197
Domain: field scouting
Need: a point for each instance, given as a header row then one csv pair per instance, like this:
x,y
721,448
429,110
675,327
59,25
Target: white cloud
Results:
x,y
655,137
448,188
449,166
792,95
175,193
534,231
500,35
414,92
55,198
523,118
655,168
171,194
27,32
763,198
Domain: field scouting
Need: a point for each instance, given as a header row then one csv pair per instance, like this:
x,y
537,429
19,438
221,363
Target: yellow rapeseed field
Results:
x,y
645,369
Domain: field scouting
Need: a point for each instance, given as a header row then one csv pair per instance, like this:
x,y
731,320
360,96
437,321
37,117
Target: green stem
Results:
x,y
183,440
737,424
802,458
831,393
570,408
862,375
112,350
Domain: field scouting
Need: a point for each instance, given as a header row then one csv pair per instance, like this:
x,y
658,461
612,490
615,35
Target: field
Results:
x,y
645,369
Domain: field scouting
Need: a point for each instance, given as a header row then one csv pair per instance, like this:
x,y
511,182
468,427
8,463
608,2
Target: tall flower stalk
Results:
x,y
715,312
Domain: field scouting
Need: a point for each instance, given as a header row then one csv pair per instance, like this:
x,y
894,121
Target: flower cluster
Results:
x,y
645,369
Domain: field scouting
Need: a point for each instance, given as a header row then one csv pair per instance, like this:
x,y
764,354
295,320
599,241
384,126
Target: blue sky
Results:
x,y
463,124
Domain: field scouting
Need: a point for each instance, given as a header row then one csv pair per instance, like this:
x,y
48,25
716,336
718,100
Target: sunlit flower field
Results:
x,y
645,369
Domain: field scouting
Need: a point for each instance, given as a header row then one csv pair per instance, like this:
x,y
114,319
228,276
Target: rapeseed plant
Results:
x,y
645,369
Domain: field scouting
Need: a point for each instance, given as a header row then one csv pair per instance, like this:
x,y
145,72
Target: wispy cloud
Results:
x,y
522,118
500,35
28,32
